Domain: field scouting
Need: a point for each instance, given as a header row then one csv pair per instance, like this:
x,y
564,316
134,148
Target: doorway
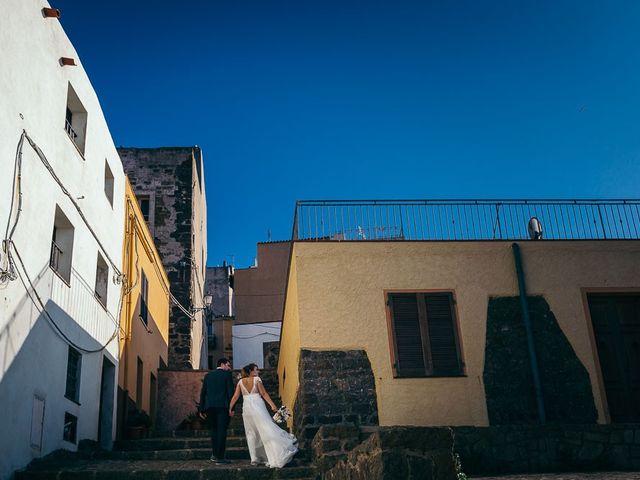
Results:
x,y
107,395
616,327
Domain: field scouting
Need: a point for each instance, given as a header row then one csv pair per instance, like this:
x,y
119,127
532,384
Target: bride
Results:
x,y
268,443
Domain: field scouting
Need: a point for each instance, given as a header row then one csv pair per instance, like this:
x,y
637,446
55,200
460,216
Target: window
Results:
x,y
108,182
144,202
425,336
70,427
62,246
139,379
74,361
144,299
102,280
75,120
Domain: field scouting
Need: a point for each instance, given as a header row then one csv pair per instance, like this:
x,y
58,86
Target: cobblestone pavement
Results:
x,y
568,476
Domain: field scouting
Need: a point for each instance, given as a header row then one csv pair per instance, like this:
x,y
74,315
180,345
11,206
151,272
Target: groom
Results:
x,y
217,390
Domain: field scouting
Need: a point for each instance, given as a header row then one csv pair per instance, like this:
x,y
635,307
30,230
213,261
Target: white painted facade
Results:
x,y
33,357
248,340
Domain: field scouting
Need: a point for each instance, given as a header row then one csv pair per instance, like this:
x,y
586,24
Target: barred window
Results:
x,y
74,360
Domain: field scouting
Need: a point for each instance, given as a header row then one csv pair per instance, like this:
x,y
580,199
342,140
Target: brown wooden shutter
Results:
x,y
443,341
408,339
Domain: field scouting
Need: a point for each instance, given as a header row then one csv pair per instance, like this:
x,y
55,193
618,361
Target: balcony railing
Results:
x,y
462,220
71,132
54,259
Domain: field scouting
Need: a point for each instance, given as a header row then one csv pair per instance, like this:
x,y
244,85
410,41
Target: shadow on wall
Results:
x,y
32,389
8,346
566,387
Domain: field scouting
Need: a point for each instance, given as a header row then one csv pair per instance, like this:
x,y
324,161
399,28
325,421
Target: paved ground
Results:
x,y
569,476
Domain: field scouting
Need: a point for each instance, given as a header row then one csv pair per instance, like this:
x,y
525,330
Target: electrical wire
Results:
x,y
39,304
254,336
159,273
51,171
11,272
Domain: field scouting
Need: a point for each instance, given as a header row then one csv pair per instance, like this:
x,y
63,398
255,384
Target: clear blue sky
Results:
x,y
346,99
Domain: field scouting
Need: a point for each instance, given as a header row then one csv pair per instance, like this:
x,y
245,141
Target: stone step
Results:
x,y
159,470
175,443
232,453
200,452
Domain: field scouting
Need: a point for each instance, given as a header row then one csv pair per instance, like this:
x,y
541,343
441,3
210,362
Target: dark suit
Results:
x,y
217,390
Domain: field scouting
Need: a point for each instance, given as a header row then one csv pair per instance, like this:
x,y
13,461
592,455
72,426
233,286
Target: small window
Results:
x,y
70,427
425,335
145,204
144,299
62,246
108,182
74,361
75,120
139,387
102,280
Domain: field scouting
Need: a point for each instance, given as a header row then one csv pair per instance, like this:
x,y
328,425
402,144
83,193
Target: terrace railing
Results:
x,y
463,220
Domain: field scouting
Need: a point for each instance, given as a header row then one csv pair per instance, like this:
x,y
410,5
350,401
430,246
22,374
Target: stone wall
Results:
x,y
270,353
547,448
508,381
336,387
393,453
164,175
178,393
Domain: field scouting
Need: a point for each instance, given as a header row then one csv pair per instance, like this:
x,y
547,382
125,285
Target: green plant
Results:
x,y
460,475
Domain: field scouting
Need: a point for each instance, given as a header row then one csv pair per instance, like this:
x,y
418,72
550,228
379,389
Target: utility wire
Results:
x,y
49,168
39,304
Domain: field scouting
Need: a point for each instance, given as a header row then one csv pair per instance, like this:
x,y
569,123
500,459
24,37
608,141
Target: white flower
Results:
x,y
282,415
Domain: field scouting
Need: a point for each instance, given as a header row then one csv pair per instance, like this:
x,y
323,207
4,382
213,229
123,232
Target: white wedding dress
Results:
x,y
268,443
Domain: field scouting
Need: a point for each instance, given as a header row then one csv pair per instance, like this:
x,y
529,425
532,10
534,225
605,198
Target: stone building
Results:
x,y
219,315
259,300
169,185
62,196
469,313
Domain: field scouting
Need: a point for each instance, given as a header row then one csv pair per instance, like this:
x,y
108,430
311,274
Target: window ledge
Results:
x,y
75,146
59,275
103,305
73,401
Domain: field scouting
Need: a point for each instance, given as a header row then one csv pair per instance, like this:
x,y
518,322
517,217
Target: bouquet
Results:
x,y
282,415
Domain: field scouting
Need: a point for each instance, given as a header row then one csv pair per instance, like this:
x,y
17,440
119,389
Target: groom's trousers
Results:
x,y
218,422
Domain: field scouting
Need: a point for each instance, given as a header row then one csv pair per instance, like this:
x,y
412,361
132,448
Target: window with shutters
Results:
x,y
425,334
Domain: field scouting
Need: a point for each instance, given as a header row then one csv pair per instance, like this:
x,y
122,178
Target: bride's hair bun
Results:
x,y
247,369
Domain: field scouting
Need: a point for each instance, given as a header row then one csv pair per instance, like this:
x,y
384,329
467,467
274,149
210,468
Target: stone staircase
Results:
x,y
181,454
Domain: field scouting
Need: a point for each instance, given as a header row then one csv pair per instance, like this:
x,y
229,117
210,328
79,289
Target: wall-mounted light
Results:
x,y
67,61
207,300
50,12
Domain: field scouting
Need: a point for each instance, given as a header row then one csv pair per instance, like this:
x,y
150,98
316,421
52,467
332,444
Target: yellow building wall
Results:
x,y
289,355
149,342
336,301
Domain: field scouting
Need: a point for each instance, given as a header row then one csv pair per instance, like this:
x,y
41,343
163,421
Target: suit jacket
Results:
x,y
217,390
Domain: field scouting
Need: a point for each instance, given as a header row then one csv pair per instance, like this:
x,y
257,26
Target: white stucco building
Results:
x,y
58,370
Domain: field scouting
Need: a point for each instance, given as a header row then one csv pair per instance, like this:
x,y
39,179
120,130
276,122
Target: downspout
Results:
x,y
127,336
533,358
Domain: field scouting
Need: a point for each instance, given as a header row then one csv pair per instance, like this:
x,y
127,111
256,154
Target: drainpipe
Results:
x,y
533,358
127,335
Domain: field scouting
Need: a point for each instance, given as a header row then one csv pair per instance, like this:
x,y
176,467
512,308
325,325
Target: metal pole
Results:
x,y
524,303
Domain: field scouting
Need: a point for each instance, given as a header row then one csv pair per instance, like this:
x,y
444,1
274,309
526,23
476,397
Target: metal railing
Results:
x,y
461,220
54,259
71,132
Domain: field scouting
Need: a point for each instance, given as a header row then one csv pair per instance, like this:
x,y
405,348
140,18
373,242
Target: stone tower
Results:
x,y
169,185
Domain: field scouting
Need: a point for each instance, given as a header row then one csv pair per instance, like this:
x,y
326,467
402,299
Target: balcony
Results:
x,y
466,220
